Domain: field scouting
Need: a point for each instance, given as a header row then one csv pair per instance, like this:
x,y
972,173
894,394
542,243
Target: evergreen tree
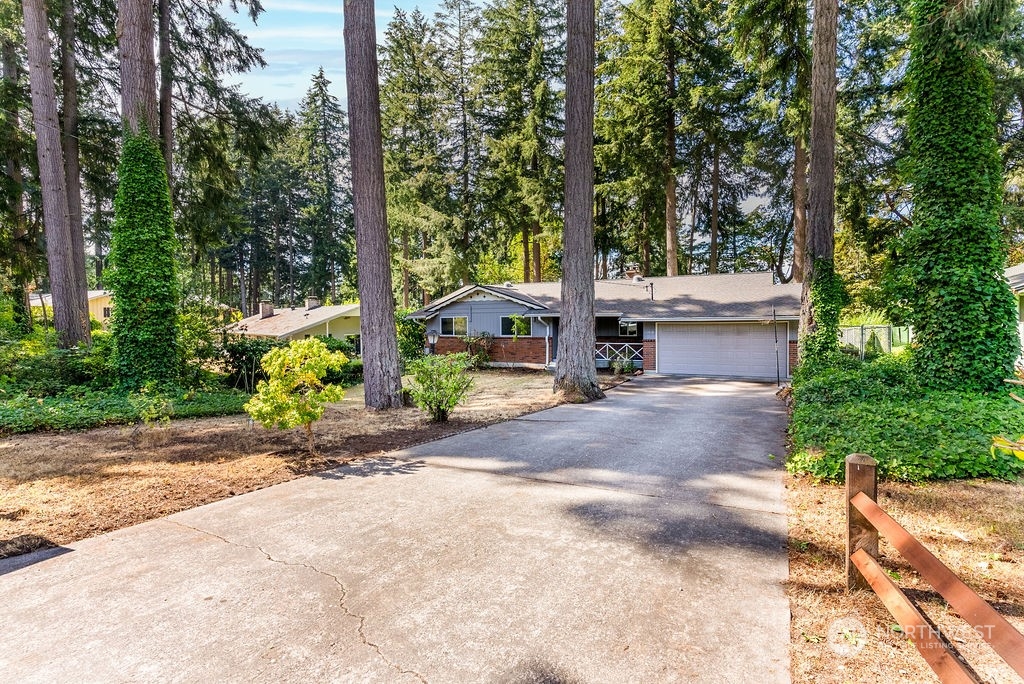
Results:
x,y
417,156
576,373
327,214
521,58
382,377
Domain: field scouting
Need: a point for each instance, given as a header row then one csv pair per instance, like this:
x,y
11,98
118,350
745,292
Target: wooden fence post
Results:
x,y
861,476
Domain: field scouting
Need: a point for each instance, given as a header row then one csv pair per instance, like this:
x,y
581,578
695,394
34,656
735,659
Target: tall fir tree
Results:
x,y
327,215
520,67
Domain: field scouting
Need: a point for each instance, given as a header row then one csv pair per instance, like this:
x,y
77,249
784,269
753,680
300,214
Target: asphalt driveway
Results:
x,y
641,538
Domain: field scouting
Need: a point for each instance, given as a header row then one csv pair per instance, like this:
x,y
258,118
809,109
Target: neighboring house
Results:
x,y
738,325
99,303
1015,275
291,323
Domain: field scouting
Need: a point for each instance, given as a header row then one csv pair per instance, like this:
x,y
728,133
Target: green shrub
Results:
x,y
81,407
879,408
198,340
294,393
440,383
411,337
242,357
478,348
36,368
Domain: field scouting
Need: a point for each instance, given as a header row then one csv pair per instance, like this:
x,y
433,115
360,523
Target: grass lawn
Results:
x,y
975,527
59,487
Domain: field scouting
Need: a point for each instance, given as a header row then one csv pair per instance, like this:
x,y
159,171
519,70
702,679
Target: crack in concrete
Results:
x,y
360,630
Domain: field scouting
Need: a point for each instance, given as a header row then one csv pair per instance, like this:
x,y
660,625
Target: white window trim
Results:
x,y
526,334
452,319
636,328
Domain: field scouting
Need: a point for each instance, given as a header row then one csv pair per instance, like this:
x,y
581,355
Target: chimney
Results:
x,y
312,303
266,309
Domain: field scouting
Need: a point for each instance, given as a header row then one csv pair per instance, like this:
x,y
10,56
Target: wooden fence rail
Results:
x,y
865,521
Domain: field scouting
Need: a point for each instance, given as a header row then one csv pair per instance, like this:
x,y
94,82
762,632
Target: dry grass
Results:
x,y
56,488
976,528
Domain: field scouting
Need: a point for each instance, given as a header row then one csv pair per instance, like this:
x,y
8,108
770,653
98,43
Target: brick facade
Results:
x,y
650,355
503,349
794,354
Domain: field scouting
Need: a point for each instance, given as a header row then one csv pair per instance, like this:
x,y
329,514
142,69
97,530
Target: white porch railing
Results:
x,y
606,352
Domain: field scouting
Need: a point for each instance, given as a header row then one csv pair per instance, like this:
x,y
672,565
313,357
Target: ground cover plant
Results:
x,y
881,408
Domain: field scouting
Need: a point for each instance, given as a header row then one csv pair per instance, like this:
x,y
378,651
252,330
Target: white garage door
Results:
x,y
729,350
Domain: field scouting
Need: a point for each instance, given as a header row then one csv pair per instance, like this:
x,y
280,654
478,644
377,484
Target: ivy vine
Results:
x,y
819,345
953,256
143,277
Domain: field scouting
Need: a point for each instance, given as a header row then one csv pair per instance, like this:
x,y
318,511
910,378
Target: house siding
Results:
x,y
338,328
484,316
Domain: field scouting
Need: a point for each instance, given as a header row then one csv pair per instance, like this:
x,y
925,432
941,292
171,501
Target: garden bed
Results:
x,y
61,487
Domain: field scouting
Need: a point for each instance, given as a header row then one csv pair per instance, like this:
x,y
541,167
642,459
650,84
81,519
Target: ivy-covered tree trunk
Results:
x,y
960,306
142,274
142,277
821,301
381,374
577,373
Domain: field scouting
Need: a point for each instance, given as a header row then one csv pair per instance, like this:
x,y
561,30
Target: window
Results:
x,y
516,326
106,312
454,326
627,329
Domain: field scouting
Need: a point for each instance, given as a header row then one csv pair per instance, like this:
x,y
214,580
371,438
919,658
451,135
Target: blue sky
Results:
x,y
299,36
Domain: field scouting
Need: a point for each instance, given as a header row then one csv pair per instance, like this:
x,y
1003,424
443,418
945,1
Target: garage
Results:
x,y
725,350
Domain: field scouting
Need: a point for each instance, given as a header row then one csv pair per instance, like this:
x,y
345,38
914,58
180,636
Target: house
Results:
x,y
296,323
737,325
1015,276
99,303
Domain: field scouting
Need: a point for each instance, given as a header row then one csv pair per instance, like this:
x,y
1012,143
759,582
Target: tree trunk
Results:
x,y
97,248
526,254
70,303
715,189
381,374
671,227
645,241
405,267
72,165
821,183
166,81
535,244
21,267
799,207
138,66
576,373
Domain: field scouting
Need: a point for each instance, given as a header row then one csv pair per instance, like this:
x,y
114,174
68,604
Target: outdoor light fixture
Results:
x,y
432,340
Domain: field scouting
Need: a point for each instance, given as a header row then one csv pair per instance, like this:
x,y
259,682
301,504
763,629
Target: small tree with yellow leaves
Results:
x,y
294,393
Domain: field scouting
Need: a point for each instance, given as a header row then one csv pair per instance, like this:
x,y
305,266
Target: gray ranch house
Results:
x,y
1015,276
735,325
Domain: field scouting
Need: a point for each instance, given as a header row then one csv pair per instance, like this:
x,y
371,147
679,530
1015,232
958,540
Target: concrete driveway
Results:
x,y
638,539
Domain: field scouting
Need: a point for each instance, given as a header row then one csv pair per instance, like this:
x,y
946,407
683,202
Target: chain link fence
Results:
x,y
870,340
